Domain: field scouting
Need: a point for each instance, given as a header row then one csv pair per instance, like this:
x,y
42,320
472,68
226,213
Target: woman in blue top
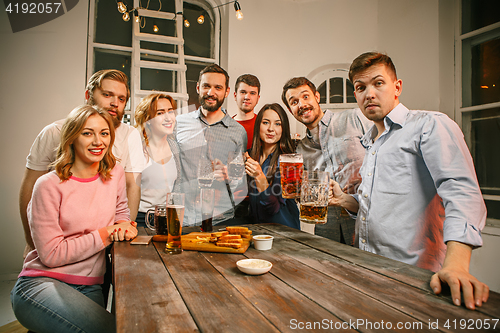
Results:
x,y
271,138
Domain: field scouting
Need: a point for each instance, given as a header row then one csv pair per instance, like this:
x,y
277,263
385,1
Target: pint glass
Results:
x,y
314,197
175,216
291,167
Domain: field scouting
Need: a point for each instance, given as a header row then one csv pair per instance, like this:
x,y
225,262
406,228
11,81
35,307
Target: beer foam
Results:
x,y
175,206
291,158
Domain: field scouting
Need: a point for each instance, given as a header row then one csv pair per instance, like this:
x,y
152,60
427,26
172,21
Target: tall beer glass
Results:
x,y
175,216
314,197
291,168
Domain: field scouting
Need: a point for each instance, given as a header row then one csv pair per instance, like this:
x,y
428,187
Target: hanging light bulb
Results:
x,y
201,19
137,17
237,8
121,7
155,28
126,16
186,23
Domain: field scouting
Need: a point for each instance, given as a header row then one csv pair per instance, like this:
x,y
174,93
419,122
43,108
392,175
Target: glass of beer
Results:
x,y
175,216
160,219
291,168
314,197
207,199
205,172
235,166
295,140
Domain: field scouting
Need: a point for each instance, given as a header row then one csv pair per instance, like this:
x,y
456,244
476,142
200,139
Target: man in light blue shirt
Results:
x,y
419,201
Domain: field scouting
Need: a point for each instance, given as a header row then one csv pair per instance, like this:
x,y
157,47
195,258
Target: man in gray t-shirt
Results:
x,y
332,144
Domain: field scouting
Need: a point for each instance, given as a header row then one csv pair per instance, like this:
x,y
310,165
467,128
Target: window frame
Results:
x,y
463,73
134,100
326,73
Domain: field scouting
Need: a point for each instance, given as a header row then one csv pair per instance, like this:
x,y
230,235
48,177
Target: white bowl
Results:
x,y
263,242
254,266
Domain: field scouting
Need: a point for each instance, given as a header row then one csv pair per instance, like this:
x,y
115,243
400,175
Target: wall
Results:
x,y
42,78
295,37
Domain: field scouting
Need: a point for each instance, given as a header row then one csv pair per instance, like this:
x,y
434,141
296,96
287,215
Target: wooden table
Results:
x,y
315,285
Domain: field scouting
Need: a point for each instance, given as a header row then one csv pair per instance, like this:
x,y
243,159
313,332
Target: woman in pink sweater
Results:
x,y
74,213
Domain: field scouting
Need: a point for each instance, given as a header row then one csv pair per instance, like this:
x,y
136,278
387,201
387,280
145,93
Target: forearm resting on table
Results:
x,y
120,231
133,183
455,273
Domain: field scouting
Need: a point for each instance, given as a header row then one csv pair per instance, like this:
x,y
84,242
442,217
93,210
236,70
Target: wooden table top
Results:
x,y
315,284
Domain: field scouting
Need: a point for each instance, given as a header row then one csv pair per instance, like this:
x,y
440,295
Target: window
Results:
x,y
478,51
151,52
335,89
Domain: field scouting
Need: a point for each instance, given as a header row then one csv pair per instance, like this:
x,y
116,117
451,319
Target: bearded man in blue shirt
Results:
x,y
419,201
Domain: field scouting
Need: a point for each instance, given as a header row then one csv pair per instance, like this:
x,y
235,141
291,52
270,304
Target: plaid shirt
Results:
x,y
197,138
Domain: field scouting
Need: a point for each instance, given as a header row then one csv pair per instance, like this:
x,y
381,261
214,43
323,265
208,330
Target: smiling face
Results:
x,y
304,105
212,91
163,121
270,128
93,142
112,97
246,97
377,92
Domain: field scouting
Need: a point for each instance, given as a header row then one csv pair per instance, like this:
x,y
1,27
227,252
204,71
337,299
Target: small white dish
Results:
x,y
263,242
254,266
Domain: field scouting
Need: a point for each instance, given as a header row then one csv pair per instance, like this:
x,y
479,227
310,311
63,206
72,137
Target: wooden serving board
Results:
x,y
189,245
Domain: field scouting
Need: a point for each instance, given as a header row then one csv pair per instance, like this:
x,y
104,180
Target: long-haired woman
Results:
x,y
271,138
155,117
74,213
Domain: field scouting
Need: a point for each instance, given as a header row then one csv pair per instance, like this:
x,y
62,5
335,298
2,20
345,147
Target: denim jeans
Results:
x,y
44,304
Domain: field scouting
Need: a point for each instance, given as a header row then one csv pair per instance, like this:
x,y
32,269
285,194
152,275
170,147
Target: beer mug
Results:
x,y
160,219
235,166
175,216
314,197
291,168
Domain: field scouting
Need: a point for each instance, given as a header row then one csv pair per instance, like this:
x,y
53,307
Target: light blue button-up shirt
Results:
x,y
419,159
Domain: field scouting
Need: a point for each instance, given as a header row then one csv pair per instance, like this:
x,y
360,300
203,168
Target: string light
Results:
x,y
121,7
126,16
186,23
155,28
201,19
239,13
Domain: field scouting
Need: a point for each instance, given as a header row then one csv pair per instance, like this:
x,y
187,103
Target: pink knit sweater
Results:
x,y
68,221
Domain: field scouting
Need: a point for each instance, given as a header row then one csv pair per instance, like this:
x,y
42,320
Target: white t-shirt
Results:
x,y
156,181
127,148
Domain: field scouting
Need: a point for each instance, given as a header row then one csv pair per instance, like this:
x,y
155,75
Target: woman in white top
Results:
x,y
155,118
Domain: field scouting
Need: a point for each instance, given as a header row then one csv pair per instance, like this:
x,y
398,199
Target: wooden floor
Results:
x,y
13,327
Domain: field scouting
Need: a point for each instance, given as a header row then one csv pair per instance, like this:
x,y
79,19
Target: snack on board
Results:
x,y
233,245
239,230
219,233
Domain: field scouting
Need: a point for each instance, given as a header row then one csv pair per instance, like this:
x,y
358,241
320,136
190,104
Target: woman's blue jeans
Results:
x,y
44,304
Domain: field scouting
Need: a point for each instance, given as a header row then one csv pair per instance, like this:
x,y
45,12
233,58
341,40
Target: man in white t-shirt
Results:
x,y
109,90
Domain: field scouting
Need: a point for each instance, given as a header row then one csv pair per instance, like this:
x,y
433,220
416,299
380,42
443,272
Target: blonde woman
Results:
x,y
75,212
155,118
